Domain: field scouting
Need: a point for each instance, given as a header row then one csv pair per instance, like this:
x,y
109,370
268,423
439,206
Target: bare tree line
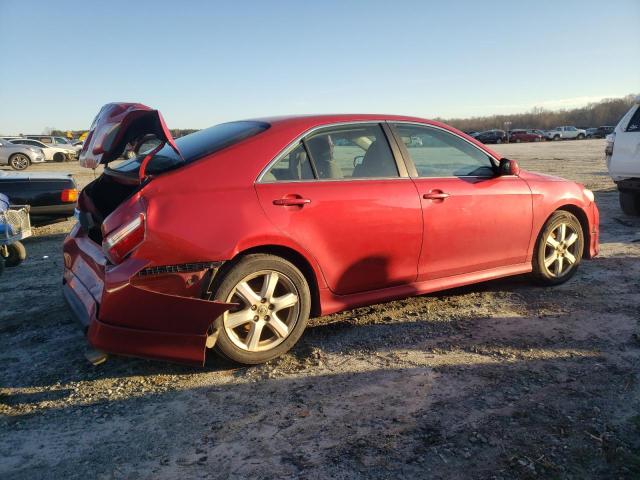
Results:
x,y
605,112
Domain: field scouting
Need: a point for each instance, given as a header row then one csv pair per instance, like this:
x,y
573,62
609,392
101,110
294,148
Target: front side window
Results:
x,y
443,154
61,141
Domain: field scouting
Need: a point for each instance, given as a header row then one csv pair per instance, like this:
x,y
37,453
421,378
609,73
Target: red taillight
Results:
x,y
119,243
69,195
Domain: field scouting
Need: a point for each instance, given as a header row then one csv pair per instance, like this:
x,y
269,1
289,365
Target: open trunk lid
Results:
x,y
118,125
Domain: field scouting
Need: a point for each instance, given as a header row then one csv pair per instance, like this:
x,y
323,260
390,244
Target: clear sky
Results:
x,y
203,62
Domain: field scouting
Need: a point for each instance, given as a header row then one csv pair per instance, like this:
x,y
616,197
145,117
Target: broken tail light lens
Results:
x,y
122,241
69,195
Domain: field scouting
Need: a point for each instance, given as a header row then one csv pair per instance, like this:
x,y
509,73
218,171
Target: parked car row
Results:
x,y
534,135
20,152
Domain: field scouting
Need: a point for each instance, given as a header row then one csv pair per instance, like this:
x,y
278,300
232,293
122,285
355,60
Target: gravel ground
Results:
x,y
498,380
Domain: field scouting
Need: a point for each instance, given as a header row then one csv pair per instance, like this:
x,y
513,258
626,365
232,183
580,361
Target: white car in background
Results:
x,y
565,133
622,153
55,141
51,152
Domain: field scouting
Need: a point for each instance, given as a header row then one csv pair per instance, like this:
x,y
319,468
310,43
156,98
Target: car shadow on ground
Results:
x,y
367,421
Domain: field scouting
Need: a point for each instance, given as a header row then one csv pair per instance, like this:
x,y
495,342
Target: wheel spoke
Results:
x,y
285,301
559,265
570,257
548,261
253,337
245,291
269,285
563,232
552,242
278,326
236,319
572,239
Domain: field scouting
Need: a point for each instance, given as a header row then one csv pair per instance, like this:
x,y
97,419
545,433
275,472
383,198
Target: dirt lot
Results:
x,y
498,380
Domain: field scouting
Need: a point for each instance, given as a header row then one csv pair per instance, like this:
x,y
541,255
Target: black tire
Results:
x,y
224,291
630,203
58,157
19,161
541,273
1,266
16,254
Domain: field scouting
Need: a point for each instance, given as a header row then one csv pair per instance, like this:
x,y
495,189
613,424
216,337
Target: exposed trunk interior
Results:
x,y
100,198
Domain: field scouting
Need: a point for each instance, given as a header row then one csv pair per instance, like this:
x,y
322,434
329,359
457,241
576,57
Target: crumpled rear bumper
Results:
x,y
127,315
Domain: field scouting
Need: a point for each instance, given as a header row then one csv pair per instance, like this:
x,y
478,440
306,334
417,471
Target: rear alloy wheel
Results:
x,y
558,249
19,161
630,203
273,305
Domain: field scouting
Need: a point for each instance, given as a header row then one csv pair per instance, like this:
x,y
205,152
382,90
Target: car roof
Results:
x,y
316,120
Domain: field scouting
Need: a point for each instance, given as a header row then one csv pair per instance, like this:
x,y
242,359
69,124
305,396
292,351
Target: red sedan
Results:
x,y
517,136
233,236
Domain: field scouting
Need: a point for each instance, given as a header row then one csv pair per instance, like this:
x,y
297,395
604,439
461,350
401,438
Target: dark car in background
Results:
x,y
521,135
492,136
602,132
51,196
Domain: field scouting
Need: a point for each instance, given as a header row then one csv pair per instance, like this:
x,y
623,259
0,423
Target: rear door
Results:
x,y
341,195
474,220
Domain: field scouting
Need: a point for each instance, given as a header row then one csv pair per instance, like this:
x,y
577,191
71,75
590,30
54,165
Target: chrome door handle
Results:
x,y
291,202
435,195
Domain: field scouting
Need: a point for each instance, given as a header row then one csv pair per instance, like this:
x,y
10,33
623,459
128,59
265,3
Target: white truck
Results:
x,y
565,133
622,153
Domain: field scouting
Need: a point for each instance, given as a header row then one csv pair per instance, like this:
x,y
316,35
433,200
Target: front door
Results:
x,y
474,220
339,195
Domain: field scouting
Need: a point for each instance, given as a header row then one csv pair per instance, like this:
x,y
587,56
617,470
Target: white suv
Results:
x,y
564,133
622,153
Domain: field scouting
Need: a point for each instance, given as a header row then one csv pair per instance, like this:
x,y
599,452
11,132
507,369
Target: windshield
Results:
x,y
194,146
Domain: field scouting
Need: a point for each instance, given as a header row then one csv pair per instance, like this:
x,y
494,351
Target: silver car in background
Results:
x,y
19,157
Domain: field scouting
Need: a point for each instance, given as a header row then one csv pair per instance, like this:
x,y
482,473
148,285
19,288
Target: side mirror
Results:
x,y
508,167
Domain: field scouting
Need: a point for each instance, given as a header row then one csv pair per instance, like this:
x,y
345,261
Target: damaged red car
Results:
x,y
232,237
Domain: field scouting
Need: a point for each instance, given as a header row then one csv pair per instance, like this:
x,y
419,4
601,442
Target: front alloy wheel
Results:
x,y
559,249
272,301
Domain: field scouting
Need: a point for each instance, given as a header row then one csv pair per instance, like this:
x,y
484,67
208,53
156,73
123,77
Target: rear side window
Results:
x,y
634,123
337,153
354,151
292,167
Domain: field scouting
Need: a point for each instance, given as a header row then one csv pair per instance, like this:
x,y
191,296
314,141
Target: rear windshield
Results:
x,y
194,146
